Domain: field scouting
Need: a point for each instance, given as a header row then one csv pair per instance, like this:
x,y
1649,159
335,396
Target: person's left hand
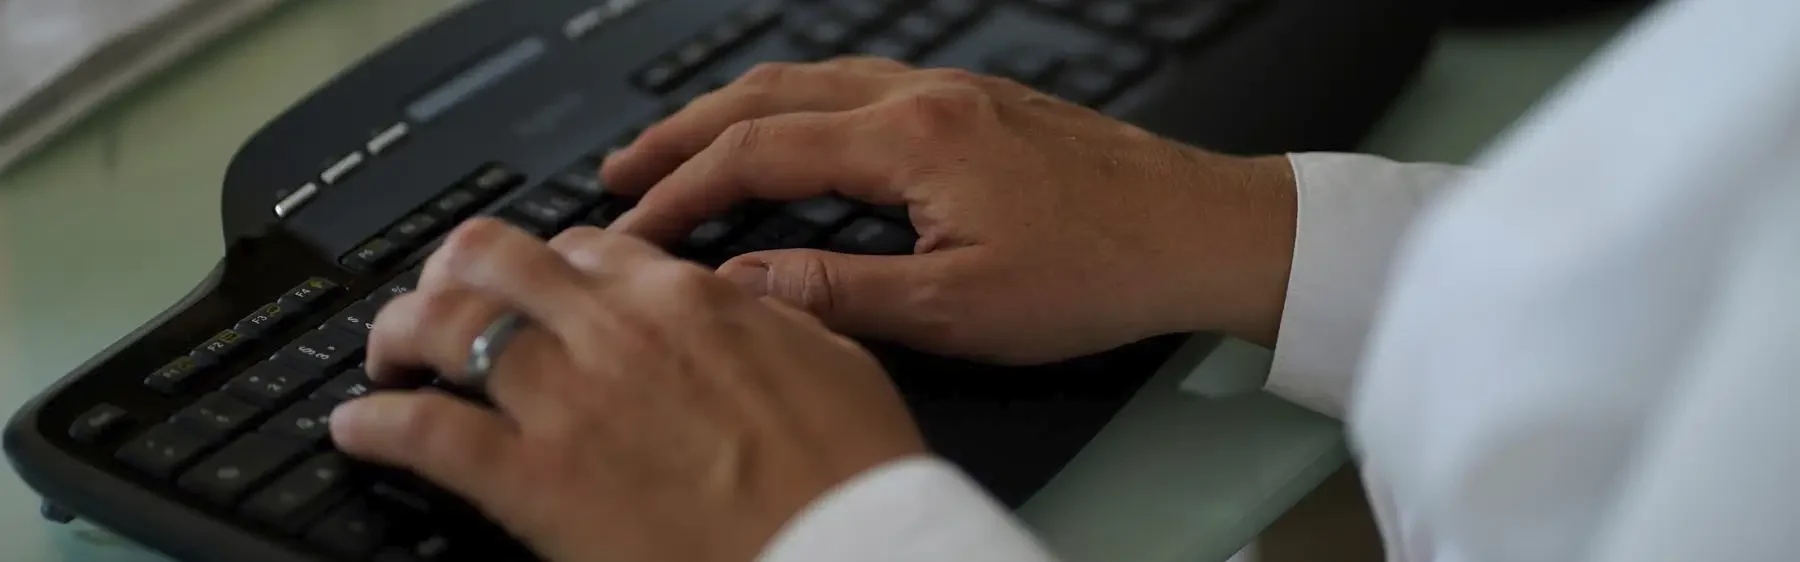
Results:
x,y
649,411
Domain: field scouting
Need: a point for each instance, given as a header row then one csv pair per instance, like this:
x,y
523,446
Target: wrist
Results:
x,y
1237,249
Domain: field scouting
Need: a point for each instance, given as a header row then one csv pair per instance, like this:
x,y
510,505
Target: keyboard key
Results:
x,y
1113,14
266,384
860,14
821,211
1188,23
495,180
265,320
306,423
216,416
921,28
353,383
1085,85
775,233
162,450
956,11
432,548
353,529
547,208
609,211
320,352
693,53
583,183
874,237
294,498
309,292
224,477
399,285
455,204
175,376
414,229
898,213
714,232
358,319
372,255
819,31
1027,64
761,12
895,47
99,423
1126,58
218,347
660,76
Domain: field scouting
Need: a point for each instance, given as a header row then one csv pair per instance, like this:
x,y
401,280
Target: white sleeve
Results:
x,y
919,509
1353,211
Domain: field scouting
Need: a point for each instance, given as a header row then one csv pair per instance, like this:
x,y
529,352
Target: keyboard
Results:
x,y
204,434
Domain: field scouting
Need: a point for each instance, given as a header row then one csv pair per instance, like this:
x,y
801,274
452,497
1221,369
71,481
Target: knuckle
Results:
x,y
955,76
815,291
470,242
940,112
743,136
768,73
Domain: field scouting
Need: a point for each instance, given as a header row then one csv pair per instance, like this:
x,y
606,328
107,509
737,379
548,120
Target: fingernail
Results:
x,y
752,276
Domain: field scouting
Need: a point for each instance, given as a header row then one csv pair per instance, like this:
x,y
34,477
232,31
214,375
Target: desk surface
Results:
x,y
1176,477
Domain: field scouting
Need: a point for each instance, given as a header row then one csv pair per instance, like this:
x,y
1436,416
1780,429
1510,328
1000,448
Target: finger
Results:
x,y
770,89
785,157
597,252
433,330
493,257
467,450
874,296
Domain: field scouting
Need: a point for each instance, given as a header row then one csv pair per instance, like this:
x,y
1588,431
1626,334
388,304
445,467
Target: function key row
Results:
x,y
878,27
667,72
1083,77
1171,22
419,227
175,376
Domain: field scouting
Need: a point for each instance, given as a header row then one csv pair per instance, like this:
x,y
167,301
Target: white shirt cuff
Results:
x,y
920,509
1353,211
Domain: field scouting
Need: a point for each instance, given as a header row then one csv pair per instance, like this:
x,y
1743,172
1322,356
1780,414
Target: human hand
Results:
x,y
1047,230
649,411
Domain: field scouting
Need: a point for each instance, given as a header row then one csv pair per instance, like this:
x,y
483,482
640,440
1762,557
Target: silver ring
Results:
x,y
486,349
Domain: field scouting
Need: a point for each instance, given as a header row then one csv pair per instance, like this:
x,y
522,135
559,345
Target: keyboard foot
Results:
x,y
55,513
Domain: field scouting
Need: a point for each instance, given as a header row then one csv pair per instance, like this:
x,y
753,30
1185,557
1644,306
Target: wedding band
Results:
x,y
487,347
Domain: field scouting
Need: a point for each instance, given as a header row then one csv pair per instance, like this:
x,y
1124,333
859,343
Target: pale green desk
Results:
x,y
133,194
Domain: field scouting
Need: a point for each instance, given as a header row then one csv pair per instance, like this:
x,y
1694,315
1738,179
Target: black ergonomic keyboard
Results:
x,y
203,434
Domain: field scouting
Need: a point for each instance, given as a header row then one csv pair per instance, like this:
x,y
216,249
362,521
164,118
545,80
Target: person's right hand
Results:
x,y
1047,230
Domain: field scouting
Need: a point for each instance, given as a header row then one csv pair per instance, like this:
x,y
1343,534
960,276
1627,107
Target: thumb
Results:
x,y
855,294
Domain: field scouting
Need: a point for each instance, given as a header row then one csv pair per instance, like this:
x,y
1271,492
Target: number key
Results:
x,y
400,285
358,318
266,384
353,383
320,352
